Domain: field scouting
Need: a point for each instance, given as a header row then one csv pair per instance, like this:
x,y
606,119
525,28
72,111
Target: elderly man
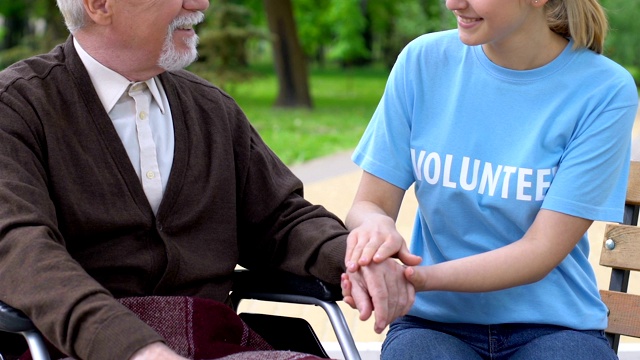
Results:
x,y
122,175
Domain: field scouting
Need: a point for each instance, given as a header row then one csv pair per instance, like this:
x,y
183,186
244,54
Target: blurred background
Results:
x,y
308,73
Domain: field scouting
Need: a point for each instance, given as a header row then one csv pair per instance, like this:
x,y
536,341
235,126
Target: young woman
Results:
x,y
516,133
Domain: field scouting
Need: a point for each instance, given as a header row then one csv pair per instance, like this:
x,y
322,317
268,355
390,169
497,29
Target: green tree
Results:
x,y
395,23
314,27
623,43
31,27
224,36
349,24
289,58
16,22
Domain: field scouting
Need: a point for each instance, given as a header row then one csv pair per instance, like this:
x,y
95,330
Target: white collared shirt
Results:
x,y
112,91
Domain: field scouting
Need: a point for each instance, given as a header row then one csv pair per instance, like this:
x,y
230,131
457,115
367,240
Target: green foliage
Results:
x,y
314,26
33,7
344,101
348,24
224,39
623,43
14,54
635,72
395,23
20,38
333,33
13,8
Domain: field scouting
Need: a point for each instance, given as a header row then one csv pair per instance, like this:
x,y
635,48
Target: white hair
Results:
x,y
73,13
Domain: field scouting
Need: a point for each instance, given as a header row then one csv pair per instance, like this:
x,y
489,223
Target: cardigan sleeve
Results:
x,y
279,228
38,275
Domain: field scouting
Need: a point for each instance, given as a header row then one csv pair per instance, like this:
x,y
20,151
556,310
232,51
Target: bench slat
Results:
x,y
626,252
633,187
623,317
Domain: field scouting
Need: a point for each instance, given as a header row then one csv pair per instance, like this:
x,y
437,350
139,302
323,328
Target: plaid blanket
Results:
x,y
202,329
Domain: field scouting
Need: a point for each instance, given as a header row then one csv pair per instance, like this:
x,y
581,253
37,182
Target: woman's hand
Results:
x,y
375,240
371,220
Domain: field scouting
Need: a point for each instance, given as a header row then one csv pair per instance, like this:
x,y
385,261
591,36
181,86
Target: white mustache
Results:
x,y
187,20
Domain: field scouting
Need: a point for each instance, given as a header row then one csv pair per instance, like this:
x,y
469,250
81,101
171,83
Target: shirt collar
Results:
x,y
109,84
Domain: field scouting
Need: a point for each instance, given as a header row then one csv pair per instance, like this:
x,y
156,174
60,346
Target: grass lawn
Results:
x,y
343,99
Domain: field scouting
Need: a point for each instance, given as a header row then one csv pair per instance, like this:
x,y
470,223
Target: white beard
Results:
x,y
171,58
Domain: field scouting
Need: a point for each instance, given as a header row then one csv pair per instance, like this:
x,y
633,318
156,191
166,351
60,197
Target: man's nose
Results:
x,y
196,5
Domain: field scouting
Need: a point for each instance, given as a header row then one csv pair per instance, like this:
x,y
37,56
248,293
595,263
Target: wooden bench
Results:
x,y
621,252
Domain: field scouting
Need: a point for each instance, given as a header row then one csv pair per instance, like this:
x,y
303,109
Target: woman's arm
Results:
x,y
374,237
371,221
549,240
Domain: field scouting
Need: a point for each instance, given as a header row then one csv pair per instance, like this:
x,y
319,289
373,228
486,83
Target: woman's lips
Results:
x,y
468,22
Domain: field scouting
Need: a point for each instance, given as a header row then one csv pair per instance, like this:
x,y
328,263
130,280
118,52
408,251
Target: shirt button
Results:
x,y
150,174
142,115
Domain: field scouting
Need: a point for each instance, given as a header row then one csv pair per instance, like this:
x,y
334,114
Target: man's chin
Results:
x,y
172,62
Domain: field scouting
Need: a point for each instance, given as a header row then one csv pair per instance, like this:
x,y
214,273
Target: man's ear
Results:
x,y
98,10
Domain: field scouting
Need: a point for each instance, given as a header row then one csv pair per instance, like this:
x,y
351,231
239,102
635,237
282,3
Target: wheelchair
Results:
x,y
293,334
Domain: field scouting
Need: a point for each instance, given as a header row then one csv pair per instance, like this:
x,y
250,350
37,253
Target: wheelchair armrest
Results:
x,y
280,286
280,282
14,321
254,282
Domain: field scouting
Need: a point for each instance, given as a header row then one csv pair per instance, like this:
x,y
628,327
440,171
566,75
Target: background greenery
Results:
x,y
349,45
344,102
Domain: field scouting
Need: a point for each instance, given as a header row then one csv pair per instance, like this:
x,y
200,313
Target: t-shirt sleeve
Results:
x,y
592,173
384,149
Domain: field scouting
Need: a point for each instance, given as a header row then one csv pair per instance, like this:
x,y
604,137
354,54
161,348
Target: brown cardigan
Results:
x,y
76,228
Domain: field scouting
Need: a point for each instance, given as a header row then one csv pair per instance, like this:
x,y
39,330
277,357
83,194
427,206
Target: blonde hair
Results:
x,y
584,21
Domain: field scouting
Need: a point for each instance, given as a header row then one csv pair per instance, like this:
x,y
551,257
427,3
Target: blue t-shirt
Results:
x,y
486,148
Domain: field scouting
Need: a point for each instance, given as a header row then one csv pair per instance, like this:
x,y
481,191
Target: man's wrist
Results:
x,y
149,351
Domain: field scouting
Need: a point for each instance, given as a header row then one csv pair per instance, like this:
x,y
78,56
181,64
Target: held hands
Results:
x,y
373,281
381,287
376,239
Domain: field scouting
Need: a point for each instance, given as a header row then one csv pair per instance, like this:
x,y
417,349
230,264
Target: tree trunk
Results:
x,y
16,25
290,61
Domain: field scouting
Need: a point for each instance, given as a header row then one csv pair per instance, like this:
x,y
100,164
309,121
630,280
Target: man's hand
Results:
x,y
381,288
156,351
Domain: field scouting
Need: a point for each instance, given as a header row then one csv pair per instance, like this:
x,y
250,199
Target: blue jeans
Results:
x,y
410,337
